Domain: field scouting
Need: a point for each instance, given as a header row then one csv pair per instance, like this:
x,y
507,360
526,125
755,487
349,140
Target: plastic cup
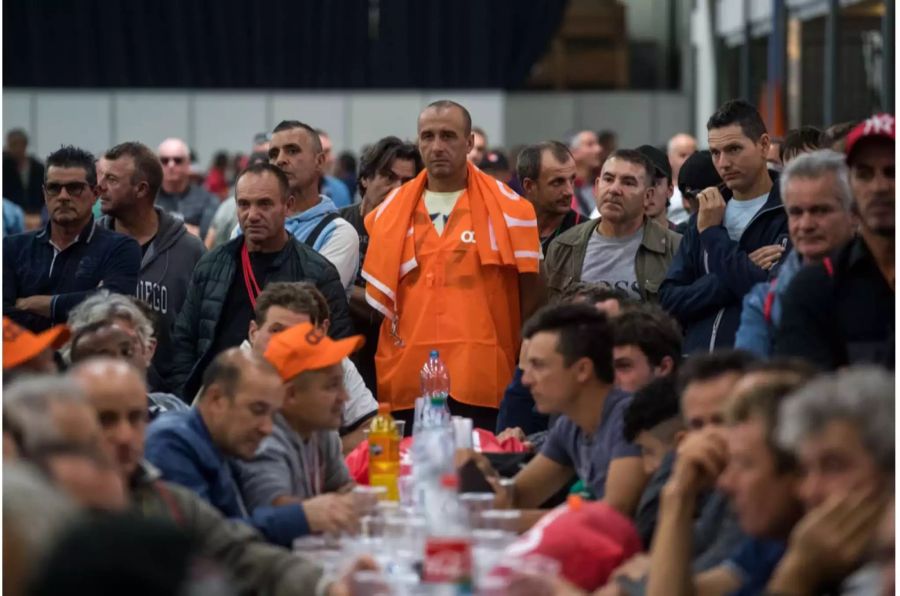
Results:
x,y
406,488
370,583
366,498
500,519
462,432
476,503
401,427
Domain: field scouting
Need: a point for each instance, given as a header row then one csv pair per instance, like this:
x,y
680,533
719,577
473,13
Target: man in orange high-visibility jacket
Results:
x,y
453,266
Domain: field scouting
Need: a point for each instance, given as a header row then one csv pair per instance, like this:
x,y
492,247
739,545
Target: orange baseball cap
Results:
x,y
21,345
304,347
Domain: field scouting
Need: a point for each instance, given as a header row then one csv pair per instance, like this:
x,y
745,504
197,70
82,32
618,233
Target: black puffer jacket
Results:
x,y
195,329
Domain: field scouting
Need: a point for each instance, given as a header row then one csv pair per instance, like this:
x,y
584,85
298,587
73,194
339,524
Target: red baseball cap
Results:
x,y
21,345
588,539
879,125
304,347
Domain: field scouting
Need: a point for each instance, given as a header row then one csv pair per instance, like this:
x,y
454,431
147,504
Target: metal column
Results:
x,y
746,64
777,55
829,87
887,61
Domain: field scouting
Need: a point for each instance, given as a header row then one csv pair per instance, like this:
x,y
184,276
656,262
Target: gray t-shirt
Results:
x,y
196,206
739,213
285,465
610,262
590,455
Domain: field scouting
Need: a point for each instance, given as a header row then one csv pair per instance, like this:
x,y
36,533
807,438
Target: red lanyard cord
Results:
x,y
249,279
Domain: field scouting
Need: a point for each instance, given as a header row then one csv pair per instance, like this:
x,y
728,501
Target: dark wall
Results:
x,y
290,44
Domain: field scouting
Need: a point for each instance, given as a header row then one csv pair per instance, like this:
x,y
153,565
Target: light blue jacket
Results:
x,y
755,334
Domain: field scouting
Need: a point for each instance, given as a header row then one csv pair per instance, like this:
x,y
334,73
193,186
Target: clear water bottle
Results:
x,y
435,377
432,451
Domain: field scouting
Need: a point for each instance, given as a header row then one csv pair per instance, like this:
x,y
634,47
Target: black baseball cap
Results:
x,y
698,173
493,161
658,159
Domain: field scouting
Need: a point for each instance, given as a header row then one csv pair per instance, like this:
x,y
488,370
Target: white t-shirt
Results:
x,y
739,213
440,205
677,213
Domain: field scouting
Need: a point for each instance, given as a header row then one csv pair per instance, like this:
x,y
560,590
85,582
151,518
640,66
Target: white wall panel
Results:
x,y
210,121
150,117
226,121
320,110
16,111
79,118
373,115
534,117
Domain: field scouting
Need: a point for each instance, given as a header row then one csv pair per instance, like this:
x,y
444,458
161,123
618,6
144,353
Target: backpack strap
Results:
x,y
320,227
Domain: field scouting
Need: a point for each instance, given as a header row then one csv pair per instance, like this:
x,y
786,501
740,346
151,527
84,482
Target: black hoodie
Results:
x,y
166,269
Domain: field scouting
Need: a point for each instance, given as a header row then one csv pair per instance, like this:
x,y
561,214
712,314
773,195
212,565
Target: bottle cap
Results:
x,y
450,481
438,400
574,502
434,354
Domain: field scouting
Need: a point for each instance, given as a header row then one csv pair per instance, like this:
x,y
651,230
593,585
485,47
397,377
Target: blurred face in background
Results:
x,y
872,181
587,150
295,152
479,147
553,190
680,148
176,164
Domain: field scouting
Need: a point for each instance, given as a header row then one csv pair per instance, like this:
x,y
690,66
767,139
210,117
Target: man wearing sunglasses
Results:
x,y
46,273
178,196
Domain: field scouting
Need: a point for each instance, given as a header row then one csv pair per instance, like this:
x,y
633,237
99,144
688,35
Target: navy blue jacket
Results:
x,y
33,267
179,444
517,409
711,273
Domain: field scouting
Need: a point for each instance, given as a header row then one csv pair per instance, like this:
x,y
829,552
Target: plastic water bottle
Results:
x,y
435,378
384,452
448,548
432,451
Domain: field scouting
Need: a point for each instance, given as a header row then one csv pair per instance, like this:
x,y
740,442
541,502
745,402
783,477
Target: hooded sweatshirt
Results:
x,y
166,269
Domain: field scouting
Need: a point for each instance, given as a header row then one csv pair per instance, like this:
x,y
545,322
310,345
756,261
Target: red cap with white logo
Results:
x,y
879,125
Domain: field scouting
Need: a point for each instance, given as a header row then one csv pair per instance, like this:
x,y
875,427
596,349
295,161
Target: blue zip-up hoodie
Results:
x,y
711,273
33,267
756,334
179,444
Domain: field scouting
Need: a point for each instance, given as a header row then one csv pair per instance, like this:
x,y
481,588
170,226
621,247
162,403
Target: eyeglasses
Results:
x,y
73,189
176,160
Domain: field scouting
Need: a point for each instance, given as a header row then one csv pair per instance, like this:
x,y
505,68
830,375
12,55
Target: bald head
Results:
x,y
175,157
679,148
118,395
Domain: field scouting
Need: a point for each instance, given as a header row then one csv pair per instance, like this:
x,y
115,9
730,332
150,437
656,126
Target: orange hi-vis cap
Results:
x,y
21,345
304,347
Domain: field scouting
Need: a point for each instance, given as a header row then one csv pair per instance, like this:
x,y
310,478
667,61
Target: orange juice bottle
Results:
x,y
384,452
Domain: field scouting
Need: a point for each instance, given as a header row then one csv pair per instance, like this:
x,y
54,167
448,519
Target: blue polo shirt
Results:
x,y
33,266
179,444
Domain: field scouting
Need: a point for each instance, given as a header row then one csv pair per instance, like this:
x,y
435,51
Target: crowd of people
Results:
x,y
701,339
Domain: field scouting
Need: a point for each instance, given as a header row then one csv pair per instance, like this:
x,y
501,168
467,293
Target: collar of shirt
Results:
x,y
84,236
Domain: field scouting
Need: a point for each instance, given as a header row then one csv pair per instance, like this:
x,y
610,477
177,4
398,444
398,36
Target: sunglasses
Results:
x,y
73,189
176,160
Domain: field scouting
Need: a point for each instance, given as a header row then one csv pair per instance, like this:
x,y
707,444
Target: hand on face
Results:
x,y
701,459
831,539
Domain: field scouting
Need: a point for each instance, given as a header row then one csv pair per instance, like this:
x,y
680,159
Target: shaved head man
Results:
x,y
178,196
